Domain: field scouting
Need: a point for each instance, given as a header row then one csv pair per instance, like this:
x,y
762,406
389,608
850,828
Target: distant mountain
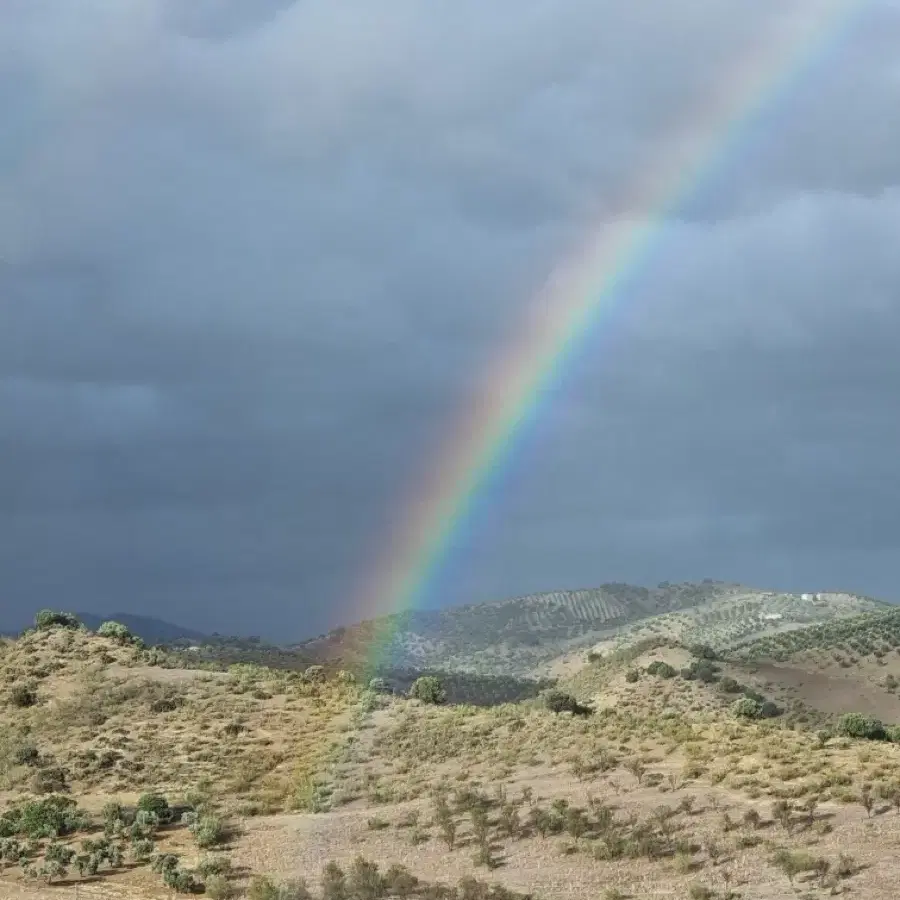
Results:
x,y
151,630
525,635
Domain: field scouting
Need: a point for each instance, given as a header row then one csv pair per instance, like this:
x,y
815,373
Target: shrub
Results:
x,y
262,888
769,710
861,726
378,685
701,670
364,881
23,696
156,804
49,618
314,674
209,831
703,651
116,631
26,755
559,701
214,865
661,669
632,675
217,887
746,708
428,689
334,882
729,686
51,780
51,817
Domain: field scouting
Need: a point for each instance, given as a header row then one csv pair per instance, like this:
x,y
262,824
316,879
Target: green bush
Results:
x,y
701,670
51,817
746,708
632,675
209,831
661,669
49,618
116,631
729,686
262,888
861,726
428,689
559,701
156,804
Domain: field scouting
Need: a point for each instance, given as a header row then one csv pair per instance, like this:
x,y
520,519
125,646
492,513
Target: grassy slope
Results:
x,y
663,776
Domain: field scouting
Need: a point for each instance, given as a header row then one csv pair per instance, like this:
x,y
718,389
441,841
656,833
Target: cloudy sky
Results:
x,y
254,255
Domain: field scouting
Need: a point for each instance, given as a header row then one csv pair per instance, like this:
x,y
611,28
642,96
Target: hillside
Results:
x,y
527,635
124,776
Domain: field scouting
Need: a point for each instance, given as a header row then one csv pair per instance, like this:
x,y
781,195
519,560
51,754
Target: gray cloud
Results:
x,y
254,256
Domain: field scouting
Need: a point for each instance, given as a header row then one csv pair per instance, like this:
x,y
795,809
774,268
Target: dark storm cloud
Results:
x,y
253,256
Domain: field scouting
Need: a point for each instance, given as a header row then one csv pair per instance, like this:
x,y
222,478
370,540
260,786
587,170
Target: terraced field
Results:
x,y
744,616
521,635
870,633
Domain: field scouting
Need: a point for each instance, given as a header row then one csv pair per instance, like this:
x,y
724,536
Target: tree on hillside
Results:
x,y
428,689
747,708
49,618
559,701
116,631
859,725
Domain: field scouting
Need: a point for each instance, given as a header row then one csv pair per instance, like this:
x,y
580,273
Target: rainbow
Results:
x,y
572,304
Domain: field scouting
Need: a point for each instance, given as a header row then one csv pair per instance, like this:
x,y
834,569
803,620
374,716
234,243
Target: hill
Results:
x,y
131,772
527,635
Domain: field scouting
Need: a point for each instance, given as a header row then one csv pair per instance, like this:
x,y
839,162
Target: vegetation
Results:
x,y
48,618
116,631
678,782
428,689
559,701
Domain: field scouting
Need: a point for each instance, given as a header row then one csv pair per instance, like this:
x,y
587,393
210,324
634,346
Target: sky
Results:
x,y
256,254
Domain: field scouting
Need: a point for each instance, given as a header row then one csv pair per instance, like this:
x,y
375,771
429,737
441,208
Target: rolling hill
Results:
x,y
529,635
129,771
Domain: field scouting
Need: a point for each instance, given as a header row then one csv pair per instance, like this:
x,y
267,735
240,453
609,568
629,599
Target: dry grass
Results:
x,y
660,794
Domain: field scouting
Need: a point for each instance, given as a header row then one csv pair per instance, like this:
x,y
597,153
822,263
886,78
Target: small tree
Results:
x,y
209,831
746,708
861,726
661,669
560,701
156,804
428,689
117,632
49,618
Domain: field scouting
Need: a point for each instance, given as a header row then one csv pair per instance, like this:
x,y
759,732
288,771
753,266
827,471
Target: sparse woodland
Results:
x,y
662,766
